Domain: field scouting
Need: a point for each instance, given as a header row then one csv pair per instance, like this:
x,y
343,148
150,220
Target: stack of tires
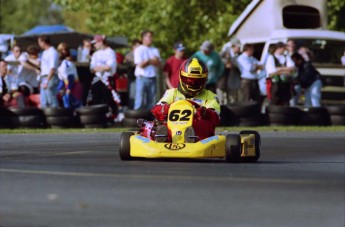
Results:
x,y
283,115
337,114
61,118
94,116
28,117
5,118
131,117
241,114
314,116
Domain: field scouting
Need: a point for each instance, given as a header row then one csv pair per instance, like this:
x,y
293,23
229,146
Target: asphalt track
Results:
x,y
78,180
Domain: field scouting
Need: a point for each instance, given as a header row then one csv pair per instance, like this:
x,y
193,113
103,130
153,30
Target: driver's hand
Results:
x,y
160,111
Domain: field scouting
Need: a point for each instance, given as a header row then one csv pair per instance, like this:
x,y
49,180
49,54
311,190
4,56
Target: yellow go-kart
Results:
x,y
242,147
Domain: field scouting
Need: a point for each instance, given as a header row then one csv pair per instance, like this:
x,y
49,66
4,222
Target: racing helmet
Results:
x,y
193,76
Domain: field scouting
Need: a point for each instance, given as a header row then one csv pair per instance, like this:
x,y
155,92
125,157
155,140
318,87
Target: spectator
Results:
x,y
49,79
310,80
129,62
305,53
343,59
279,68
84,52
249,67
14,57
213,62
9,94
172,66
229,55
291,47
67,73
103,64
30,71
148,62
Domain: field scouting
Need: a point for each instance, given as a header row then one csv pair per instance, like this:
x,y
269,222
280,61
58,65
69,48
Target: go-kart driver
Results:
x,y
193,78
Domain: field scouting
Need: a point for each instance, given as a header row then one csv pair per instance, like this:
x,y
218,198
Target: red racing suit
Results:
x,y
207,115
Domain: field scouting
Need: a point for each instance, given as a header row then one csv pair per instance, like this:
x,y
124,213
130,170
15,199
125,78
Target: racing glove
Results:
x,y
208,114
160,111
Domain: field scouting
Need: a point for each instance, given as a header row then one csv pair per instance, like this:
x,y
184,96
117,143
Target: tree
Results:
x,y
177,20
336,15
18,16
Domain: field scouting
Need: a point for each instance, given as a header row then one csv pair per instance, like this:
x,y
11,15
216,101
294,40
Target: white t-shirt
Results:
x,y
49,60
67,68
28,75
270,66
15,69
103,57
141,54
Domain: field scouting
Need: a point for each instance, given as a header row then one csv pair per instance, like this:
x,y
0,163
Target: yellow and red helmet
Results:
x,y
193,76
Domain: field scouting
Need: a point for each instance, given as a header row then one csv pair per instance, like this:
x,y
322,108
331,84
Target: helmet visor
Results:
x,y
193,83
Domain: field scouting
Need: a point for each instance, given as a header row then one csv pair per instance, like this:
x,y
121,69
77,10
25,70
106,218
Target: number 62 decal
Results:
x,y
178,115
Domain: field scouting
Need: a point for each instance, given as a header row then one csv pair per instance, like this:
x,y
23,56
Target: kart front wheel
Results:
x,y
125,146
257,146
233,148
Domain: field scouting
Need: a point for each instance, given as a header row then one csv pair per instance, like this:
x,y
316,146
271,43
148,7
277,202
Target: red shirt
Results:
x,y
172,67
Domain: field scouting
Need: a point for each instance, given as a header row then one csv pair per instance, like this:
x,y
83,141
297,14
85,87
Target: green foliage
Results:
x,y
177,20
18,16
336,14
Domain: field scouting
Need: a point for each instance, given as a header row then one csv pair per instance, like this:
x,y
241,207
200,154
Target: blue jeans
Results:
x,y
313,94
48,96
145,93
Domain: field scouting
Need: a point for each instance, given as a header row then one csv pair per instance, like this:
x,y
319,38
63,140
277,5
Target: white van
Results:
x,y
264,23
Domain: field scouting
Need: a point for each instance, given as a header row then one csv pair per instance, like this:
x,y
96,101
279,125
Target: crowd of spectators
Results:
x,y
234,74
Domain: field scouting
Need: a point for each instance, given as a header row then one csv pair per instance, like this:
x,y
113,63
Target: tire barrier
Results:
x,y
241,114
28,117
131,117
61,118
337,114
94,116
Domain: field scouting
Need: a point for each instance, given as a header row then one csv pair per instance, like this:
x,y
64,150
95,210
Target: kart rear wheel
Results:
x,y
125,146
233,148
257,146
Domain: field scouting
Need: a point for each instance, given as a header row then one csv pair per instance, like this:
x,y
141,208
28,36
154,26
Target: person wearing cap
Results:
x,y
172,66
147,59
103,64
279,69
229,54
49,78
213,62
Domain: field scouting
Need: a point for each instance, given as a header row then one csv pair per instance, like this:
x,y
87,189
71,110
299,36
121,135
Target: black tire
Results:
x,y
6,122
251,121
55,112
135,114
93,119
225,116
32,121
318,111
282,119
125,146
336,110
130,122
233,148
314,119
285,110
257,146
93,110
63,121
245,109
27,111
338,119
